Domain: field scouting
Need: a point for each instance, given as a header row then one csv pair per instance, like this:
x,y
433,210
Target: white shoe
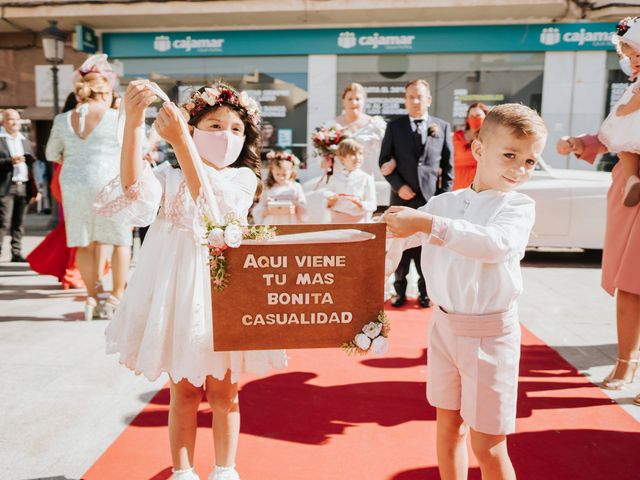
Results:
x,y
224,473
632,191
89,308
108,308
184,474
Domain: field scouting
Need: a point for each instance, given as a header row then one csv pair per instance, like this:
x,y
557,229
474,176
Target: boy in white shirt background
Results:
x,y
472,243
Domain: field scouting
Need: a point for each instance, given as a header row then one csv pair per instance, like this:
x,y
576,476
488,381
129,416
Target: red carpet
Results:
x,y
328,416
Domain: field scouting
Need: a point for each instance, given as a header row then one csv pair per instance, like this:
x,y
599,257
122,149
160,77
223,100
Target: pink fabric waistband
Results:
x,y
491,325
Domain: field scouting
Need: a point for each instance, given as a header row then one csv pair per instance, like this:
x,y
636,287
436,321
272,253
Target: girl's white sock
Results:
x,y
224,473
184,474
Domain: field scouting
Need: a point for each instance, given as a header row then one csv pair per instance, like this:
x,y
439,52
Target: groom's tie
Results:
x,y
417,135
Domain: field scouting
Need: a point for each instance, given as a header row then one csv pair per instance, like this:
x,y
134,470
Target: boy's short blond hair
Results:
x,y
522,120
349,146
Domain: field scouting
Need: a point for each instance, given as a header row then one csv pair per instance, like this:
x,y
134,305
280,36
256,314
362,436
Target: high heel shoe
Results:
x,y
89,309
109,307
611,383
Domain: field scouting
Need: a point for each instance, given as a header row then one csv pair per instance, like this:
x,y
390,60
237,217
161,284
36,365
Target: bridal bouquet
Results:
x,y
325,143
371,339
229,235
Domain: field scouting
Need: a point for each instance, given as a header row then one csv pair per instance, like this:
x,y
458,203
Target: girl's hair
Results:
x,y
479,105
354,87
90,86
277,160
250,154
70,103
349,146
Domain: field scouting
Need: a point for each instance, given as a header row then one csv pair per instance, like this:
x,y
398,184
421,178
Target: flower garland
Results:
x,y
372,338
280,155
220,94
325,143
229,235
625,24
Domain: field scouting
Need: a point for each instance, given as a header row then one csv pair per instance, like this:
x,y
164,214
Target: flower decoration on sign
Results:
x,y
371,339
325,144
433,131
229,235
279,155
221,94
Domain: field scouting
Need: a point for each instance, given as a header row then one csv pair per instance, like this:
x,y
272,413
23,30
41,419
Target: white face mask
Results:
x,y
219,148
625,66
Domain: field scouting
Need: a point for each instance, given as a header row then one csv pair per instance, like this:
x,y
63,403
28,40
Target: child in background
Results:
x,y
472,243
351,193
619,131
282,201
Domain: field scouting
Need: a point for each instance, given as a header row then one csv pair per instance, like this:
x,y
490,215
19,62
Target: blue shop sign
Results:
x,y
450,39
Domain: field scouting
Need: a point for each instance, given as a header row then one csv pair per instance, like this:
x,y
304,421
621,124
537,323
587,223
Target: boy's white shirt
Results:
x,y
471,260
357,183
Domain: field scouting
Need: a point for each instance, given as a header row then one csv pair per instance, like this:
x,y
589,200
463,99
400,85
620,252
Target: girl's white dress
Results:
x,y
620,133
163,323
289,194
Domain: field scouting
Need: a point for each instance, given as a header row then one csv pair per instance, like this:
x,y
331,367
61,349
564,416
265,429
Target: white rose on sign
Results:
x,y
216,238
233,236
379,346
372,329
362,341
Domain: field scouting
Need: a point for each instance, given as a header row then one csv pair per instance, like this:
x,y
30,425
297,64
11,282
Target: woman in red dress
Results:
x,y
464,165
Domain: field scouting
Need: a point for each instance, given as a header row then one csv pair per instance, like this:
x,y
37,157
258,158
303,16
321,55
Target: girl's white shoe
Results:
x,y
184,474
224,473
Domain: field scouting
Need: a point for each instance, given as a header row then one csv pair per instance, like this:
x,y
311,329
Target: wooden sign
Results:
x,y
307,295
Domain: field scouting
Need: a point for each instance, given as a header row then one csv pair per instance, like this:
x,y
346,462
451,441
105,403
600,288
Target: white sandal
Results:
x,y
109,307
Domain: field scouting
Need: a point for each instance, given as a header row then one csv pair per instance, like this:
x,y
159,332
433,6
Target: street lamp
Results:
x,y
53,40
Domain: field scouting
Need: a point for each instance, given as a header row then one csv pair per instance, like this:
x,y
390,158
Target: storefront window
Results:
x,y
456,80
278,83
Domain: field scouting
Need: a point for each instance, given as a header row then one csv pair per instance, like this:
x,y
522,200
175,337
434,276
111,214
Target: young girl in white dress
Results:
x,y
619,131
163,323
351,193
282,201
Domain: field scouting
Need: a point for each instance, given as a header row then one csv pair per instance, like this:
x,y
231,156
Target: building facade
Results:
x,y
296,57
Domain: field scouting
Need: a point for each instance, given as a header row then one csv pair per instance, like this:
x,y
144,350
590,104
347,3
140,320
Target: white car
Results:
x,y
570,206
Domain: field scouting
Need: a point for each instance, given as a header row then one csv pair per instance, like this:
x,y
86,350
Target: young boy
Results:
x,y
472,243
351,193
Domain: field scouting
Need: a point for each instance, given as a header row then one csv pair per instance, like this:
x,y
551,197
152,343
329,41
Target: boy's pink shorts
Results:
x,y
472,366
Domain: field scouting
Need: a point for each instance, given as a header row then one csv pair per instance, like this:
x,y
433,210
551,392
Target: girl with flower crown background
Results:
x,y
282,201
163,323
619,131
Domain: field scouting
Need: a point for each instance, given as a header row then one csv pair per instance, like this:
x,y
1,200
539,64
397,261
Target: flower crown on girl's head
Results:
x,y
220,94
278,155
628,31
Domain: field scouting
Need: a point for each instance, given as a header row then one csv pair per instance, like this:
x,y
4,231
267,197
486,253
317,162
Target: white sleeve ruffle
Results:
x,y
137,206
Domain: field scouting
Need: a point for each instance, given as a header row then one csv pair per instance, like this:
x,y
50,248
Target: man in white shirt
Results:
x,y
17,185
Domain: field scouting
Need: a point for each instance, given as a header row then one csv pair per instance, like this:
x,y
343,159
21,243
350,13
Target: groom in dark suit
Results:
x,y
17,184
416,158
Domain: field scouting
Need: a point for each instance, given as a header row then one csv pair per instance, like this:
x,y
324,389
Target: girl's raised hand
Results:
x,y
167,124
136,100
